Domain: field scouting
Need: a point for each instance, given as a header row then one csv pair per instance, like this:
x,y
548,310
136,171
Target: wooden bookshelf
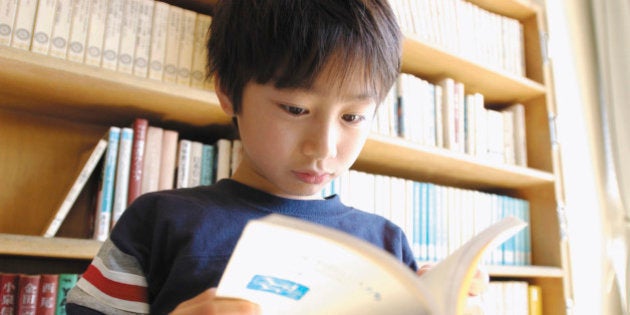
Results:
x,y
52,111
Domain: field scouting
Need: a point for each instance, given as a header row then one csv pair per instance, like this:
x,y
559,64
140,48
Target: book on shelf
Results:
x,y
152,160
143,40
96,32
75,188
194,171
8,293
159,30
224,151
186,43
183,163
66,282
173,38
23,24
61,29
47,298
128,35
112,35
289,266
79,30
42,30
103,212
207,164
168,161
27,293
139,126
8,10
198,69
123,166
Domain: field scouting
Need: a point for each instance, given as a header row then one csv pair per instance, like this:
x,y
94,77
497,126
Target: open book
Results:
x,y
290,266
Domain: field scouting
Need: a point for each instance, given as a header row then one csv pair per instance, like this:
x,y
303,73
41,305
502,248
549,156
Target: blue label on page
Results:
x,y
278,286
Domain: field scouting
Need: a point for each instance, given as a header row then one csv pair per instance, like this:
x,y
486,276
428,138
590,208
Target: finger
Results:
x,y
479,283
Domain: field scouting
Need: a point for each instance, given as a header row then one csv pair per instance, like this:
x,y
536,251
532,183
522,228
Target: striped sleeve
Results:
x,y
112,284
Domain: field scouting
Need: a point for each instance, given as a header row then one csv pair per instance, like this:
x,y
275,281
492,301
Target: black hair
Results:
x,y
290,43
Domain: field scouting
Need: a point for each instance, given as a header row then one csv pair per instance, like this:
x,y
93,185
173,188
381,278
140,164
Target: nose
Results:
x,y
321,141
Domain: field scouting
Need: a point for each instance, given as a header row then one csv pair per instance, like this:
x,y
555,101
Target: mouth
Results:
x,y
314,178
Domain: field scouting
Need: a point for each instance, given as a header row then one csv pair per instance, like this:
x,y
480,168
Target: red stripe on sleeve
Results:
x,y
115,289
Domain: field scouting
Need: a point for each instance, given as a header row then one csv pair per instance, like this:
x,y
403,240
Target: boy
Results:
x,y
302,80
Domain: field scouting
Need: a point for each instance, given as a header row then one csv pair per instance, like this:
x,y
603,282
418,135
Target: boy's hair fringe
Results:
x,y
290,43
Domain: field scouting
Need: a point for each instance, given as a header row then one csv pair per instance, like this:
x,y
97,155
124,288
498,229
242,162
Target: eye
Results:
x,y
293,110
353,118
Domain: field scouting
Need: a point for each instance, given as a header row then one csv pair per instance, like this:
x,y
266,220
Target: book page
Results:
x,y
290,266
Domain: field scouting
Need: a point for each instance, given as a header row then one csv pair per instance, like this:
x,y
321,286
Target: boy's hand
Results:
x,y
209,304
479,282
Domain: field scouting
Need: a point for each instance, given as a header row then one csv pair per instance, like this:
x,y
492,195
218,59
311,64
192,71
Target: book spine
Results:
x,y
173,34
140,127
143,39
48,284
61,29
106,192
8,293
128,35
186,39
96,32
152,157
23,25
168,160
67,281
159,30
76,188
28,293
196,153
8,10
224,150
183,163
122,173
42,31
198,70
79,30
235,155
111,40
207,165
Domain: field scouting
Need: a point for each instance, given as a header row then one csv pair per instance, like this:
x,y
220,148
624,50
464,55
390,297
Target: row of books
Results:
x,y
436,219
143,158
443,115
146,38
38,294
465,29
507,298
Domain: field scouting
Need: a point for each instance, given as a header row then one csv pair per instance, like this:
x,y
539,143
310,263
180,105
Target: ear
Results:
x,y
224,100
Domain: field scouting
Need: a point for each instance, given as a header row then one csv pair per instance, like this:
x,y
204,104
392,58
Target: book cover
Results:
x,y
111,39
152,160
47,299
159,29
75,189
23,24
103,214
61,29
140,126
173,35
8,293
123,165
288,266
43,26
128,35
67,281
143,39
186,42
28,293
8,10
96,32
79,30
168,163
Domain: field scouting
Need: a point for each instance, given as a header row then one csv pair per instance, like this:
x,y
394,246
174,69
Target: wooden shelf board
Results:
x,y
57,247
433,63
516,9
47,85
398,157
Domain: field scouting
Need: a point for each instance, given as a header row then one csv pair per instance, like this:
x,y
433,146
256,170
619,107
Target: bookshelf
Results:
x,y
53,111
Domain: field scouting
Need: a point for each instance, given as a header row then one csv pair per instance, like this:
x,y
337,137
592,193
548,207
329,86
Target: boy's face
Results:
x,y
295,141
